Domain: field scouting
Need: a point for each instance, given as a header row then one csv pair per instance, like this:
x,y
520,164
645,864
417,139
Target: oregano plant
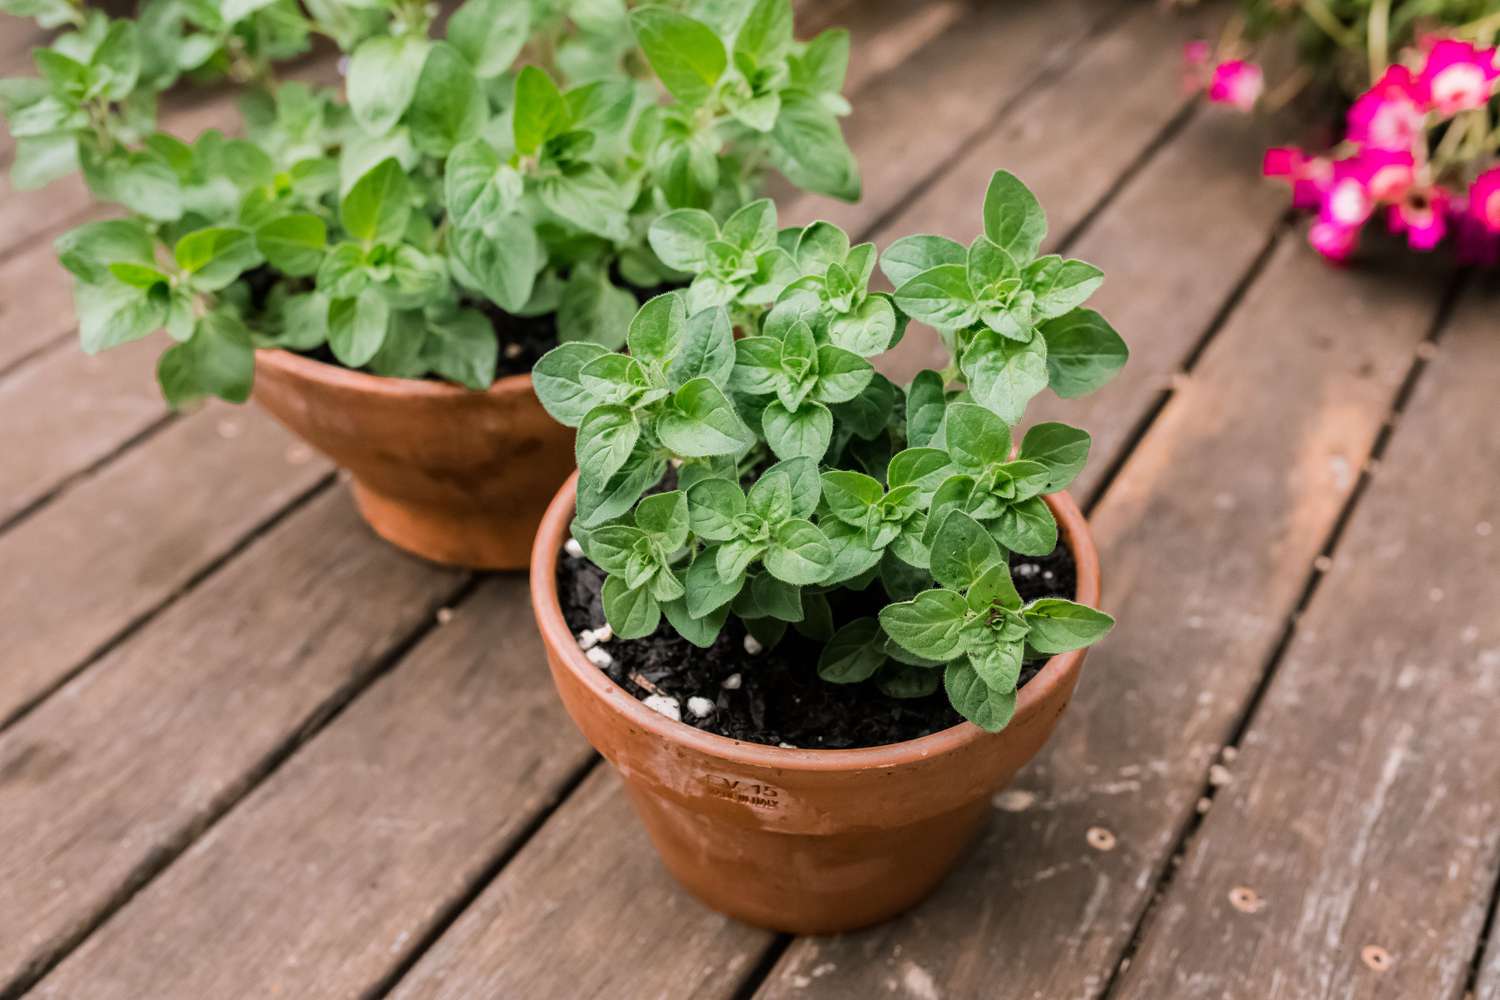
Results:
x,y
505,162
746,458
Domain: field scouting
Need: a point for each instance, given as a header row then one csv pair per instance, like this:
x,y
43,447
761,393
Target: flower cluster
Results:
x,y
1418,147
801,477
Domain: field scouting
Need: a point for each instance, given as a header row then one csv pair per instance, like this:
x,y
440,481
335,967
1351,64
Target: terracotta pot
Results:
x,y
453,475
805,841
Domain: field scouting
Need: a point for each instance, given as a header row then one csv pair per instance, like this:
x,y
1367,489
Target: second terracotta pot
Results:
x,y
453,475
804,841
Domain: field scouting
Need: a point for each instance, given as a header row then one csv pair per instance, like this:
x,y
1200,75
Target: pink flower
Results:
x,y
1237,83
1422,215
1458,76
1484,200
1387,173
1390,114
1309,176
1333,241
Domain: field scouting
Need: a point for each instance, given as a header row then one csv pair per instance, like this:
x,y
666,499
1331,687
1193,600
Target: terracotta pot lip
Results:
x,y
556,634
299,366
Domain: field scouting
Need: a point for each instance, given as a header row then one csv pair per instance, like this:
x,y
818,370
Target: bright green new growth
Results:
x,y
801,471
517,161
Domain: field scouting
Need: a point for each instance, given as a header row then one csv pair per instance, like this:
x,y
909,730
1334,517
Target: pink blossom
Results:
x,y
1387,173
1347,201
1390,114
1458,76
1484,200
1333,241
1237,83
1422,214
1309,176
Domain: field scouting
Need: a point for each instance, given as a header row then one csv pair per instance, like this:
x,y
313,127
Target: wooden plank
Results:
x,y
36,295
105,782
68,411
587,911
909,122
1363,815
86,567
1206,539
380,821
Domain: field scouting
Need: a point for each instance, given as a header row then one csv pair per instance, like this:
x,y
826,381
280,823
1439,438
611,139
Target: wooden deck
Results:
x,y
242,754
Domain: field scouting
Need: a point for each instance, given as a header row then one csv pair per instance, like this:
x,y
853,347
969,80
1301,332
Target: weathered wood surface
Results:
x,y
1206,539
1363,814
211,786
108,779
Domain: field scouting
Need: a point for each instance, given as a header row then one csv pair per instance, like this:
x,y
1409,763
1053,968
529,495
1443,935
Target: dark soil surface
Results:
x,y
780,699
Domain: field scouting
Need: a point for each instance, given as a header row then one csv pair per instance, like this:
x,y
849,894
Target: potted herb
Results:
x,y
816,619
1413,85
380,268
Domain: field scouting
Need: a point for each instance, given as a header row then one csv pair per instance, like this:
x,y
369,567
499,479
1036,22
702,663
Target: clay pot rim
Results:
x,y
300,366
564,645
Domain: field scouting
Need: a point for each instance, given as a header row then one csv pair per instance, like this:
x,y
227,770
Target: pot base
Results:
x,y
441,533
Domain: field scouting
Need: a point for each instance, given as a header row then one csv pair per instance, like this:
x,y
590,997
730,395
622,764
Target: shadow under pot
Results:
x,y
795,840
453,475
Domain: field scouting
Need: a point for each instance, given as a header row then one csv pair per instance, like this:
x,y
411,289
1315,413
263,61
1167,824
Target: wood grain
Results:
x,y
335,869
118,544
123,767
1205,539
67,411
586,911
1363,811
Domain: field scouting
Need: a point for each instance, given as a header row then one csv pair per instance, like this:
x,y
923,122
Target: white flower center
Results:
x,y
1461,85
1349,203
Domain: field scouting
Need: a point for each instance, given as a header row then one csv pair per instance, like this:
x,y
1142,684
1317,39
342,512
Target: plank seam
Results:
x,y
88,471
1486,937
146,616
1183,842
1053,68
761,971
162,858
449,912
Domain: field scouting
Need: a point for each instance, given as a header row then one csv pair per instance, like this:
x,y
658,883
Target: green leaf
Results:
x,y
1061,449
713,506
868,330
217,361
923,468
799,553
88,250
1060,286
1027,527
681,237
599,502
994,586
382,80
804,482
1058,626
766,33
854,653
377,207
801,433
558,385
701,423
594,309
976,438
975,700
665,517
775,599
138,275
606,438
900,680
293,244
540,110
908,257
962,551
770,498
41,159
462,348
490,33
752,227
708,589
1083,352
842,375
478,187
448,107
116,64
1013,218
926,403
807,146
584,195
657,328
1004,374
686,55
706,349
700,630
216,256
357,327
113,313
631,613
503,259
939,297
928,624
821,67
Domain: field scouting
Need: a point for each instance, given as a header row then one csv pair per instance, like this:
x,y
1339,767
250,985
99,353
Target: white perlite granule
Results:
x,y
599,657
572,548
753,646
702,708
666,706
731,683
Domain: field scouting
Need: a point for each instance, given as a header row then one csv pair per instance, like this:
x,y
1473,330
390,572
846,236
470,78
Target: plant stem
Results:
x,y
1378,33
1318,12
